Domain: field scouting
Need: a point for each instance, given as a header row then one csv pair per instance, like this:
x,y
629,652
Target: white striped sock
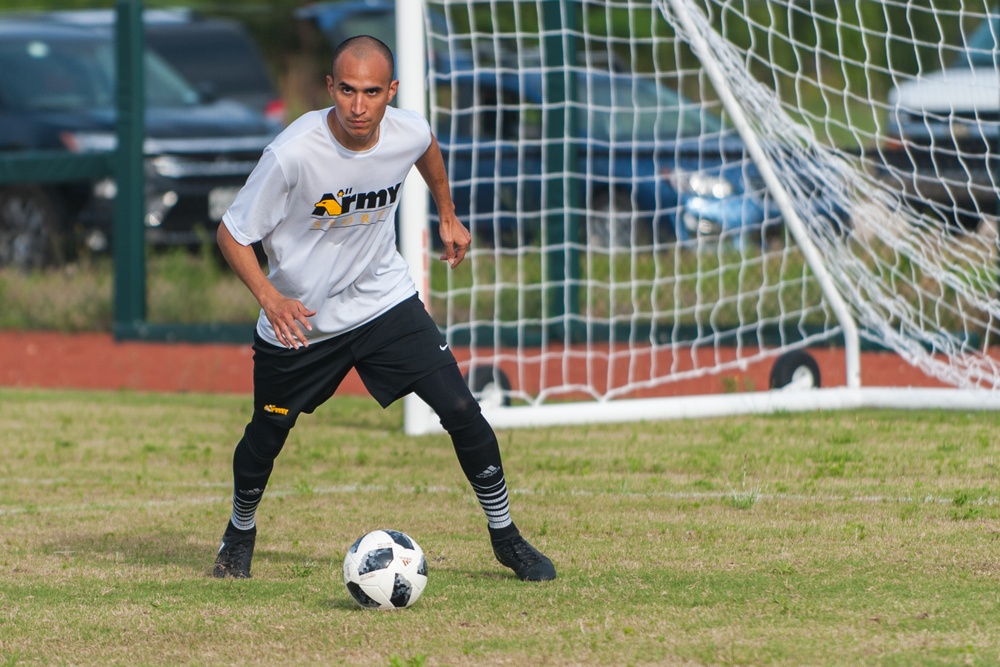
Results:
x,y
245,510
495,504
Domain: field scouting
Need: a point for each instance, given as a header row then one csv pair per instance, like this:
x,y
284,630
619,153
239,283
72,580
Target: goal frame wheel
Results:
x,y
795,370
490,385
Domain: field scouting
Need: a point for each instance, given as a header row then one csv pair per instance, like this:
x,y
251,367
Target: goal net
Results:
x,y
668,194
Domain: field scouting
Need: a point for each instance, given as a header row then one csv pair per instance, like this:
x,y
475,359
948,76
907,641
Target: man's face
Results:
x,y
361,89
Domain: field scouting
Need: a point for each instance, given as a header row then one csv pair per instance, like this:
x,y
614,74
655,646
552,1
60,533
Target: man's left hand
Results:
x,y
456,239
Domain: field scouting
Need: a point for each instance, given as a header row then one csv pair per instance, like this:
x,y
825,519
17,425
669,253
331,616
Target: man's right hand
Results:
x,y
288,318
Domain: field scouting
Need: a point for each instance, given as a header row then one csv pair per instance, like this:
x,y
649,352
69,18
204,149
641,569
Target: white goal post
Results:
x,y
665,193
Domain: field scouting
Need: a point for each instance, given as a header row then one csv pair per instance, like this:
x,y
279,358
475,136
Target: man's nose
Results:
x,y
358,105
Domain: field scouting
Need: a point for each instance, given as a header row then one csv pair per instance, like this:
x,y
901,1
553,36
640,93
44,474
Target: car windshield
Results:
x,y
623,108
982,47
62,75
219,56
611,108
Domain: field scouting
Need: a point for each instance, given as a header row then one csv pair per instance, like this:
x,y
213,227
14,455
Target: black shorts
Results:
x,y
390,353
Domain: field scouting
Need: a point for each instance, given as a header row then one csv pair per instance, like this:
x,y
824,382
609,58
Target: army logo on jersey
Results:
x,y
352,209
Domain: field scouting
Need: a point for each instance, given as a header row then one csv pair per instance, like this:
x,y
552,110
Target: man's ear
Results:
x,y
329,85
392,88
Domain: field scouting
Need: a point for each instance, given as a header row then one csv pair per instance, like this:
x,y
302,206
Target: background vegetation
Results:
x,y
182,287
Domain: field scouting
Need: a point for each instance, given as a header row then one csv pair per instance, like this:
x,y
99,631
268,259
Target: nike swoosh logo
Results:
x,y
443,347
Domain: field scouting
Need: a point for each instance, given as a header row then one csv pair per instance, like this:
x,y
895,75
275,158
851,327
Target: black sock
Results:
x,y
250,475
479,455
497,534
233,529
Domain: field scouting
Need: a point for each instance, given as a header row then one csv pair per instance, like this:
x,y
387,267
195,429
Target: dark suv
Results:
x,y
57,92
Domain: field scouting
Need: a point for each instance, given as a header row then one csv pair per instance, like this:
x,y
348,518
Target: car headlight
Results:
x,y
106,188
700,184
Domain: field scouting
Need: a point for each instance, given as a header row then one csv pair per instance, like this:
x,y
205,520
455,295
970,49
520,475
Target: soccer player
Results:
x,y
322,200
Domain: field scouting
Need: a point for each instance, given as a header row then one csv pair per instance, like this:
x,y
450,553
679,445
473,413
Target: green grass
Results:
x,y
838,538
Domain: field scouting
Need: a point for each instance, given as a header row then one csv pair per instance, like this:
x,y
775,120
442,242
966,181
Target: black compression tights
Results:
x,y
475,443
446,393
474,440
253,461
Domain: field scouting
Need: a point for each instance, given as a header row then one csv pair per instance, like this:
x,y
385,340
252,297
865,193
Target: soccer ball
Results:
x,y
385,569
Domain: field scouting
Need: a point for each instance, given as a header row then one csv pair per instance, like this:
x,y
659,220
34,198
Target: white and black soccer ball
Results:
x,y
385,569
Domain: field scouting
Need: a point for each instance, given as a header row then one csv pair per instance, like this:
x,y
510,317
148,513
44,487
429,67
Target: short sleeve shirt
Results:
x,y
326,218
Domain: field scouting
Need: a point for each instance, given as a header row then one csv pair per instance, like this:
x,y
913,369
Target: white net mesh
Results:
x,y
624,240
912,163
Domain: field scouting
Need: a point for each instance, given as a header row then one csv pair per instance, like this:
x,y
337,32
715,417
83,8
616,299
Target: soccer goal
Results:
x,y
664,194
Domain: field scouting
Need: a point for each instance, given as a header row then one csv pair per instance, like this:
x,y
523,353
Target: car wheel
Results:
x,y
29,229
609,221
489,385
795,370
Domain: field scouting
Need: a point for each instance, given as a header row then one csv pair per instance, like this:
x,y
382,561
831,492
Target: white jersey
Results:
x,y
326,217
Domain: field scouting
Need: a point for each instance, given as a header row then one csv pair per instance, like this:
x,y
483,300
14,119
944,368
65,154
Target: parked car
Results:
x,y
57,92
658,165
944,128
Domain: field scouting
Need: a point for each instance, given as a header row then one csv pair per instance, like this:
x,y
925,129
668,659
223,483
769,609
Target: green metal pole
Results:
x,y
562,264
129,228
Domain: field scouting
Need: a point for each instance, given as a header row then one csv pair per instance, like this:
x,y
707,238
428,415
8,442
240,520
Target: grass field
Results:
x,y
840,538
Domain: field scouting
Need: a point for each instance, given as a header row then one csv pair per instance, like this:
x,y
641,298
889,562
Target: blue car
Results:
x,y
644,164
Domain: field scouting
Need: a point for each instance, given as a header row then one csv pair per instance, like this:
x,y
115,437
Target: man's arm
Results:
x,y
287,316
455,236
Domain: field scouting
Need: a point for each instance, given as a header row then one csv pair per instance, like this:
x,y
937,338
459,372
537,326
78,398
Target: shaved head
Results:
x,y
361,85
364,47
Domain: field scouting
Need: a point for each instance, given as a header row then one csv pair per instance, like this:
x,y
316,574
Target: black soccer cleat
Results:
x,y
233,559
528,563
